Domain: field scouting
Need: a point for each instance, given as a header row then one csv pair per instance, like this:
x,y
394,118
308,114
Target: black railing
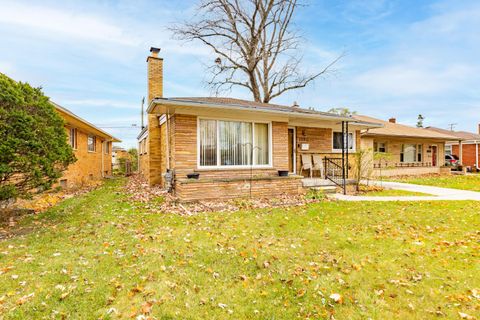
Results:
x,y
334,171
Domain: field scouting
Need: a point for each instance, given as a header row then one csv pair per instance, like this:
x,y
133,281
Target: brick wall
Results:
x,y
238,188
320,142
468,156
88,166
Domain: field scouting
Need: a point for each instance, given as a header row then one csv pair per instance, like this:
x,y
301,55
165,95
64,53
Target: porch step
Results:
x,y
325,189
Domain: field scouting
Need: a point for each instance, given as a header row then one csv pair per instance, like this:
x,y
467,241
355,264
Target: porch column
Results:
x,y
460,151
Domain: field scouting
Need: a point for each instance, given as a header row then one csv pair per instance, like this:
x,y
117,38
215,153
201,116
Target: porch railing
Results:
x,y
335,172
402,165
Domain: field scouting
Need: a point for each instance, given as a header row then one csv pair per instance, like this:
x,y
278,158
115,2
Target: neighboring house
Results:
x,y
92,148
119,153
238,147
404,150
465,146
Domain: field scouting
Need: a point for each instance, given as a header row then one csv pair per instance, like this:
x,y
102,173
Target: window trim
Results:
x,y
94,143
402,154
75,145
354,146
377,149
219,166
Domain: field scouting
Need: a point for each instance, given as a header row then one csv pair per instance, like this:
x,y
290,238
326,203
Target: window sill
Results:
x,y
230,168
340,150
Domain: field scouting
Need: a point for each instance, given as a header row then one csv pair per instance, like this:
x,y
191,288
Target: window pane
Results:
x,y
91,143
261,143
235,143
337,140
409,151
208,142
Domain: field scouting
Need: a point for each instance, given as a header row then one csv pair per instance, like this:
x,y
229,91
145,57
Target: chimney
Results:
x,y
479,128
295,104
155,75
392,120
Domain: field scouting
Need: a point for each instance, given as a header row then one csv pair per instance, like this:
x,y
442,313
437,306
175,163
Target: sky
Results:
x,y
402,57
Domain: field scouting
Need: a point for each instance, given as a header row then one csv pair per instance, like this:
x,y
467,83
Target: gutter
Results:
x,y
320,116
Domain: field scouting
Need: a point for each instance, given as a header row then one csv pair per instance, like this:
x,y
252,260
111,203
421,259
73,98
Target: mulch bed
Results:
x,y
158,200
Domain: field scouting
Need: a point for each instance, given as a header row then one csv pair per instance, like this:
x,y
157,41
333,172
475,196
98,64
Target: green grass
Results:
x,y
463,182
98,252
394,193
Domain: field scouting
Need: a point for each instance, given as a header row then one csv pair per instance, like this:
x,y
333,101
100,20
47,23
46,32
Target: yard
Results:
x,y
463,182
101,256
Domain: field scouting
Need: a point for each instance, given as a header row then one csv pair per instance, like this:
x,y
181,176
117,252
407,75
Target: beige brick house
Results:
x,y
92,148
237,147
404,150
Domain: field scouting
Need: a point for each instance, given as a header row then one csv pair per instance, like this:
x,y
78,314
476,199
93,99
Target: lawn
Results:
x,y
100,256
395,193
464,182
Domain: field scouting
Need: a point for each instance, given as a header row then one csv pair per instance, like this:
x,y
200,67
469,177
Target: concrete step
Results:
x,y
325,189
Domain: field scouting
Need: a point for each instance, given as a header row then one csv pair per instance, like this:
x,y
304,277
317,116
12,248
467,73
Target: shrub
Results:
x,y
33,142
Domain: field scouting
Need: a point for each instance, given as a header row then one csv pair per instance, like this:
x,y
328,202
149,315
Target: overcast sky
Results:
x,y
404,57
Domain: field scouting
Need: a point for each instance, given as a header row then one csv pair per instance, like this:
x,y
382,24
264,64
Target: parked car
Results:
x,y
452,160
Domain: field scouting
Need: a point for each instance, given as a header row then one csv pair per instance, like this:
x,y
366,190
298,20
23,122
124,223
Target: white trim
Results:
x,y
294,149
218,166
354,146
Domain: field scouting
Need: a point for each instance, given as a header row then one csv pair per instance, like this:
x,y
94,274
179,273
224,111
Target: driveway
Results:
x,y
437,193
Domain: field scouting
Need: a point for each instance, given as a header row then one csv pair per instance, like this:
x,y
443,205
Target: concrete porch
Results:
x,y
325,185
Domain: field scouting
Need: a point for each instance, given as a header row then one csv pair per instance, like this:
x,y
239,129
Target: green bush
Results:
x,y
33,142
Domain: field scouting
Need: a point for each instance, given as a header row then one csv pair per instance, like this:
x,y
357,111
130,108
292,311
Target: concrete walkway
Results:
x,y
437,193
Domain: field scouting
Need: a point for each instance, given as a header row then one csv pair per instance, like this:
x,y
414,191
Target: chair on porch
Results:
x,y
318,165
306,163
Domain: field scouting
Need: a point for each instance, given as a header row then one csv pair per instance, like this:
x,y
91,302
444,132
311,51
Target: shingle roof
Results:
x,y
250,104
459,134
400,130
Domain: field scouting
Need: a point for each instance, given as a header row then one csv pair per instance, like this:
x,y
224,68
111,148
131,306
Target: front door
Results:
x,y
291,150
434,156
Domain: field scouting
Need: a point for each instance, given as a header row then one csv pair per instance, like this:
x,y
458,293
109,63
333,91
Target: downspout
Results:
x,y
168,139
476,155
103,164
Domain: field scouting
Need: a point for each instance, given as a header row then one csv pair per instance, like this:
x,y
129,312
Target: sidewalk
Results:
x,y
437,193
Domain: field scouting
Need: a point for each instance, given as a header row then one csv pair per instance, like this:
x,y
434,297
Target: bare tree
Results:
x,y
255,46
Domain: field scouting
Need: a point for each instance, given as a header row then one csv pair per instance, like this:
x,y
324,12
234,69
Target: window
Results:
x,y
91,143
411,153
448,149
73,138
107,147
337,141
233,143
380,147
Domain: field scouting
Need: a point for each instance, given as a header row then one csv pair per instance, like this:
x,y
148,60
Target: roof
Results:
x,y
74,119
463,135
401,130
239,104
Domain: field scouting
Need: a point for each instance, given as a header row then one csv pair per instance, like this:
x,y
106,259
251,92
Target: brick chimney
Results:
x,y
392,120
155,75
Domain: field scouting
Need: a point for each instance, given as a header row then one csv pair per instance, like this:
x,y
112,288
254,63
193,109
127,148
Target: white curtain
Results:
x,y
235,143
208,142
409,152
261,143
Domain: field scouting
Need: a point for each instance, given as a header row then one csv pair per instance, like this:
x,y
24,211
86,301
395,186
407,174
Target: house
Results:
x,y
239,148
404,150
119,153
465,147
92,148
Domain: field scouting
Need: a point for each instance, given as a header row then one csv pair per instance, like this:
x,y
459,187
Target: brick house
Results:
x,y
238,147
92,148
404,150
465,146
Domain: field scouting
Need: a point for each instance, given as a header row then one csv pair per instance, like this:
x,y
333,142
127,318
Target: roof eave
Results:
x,y
73,115
322,116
